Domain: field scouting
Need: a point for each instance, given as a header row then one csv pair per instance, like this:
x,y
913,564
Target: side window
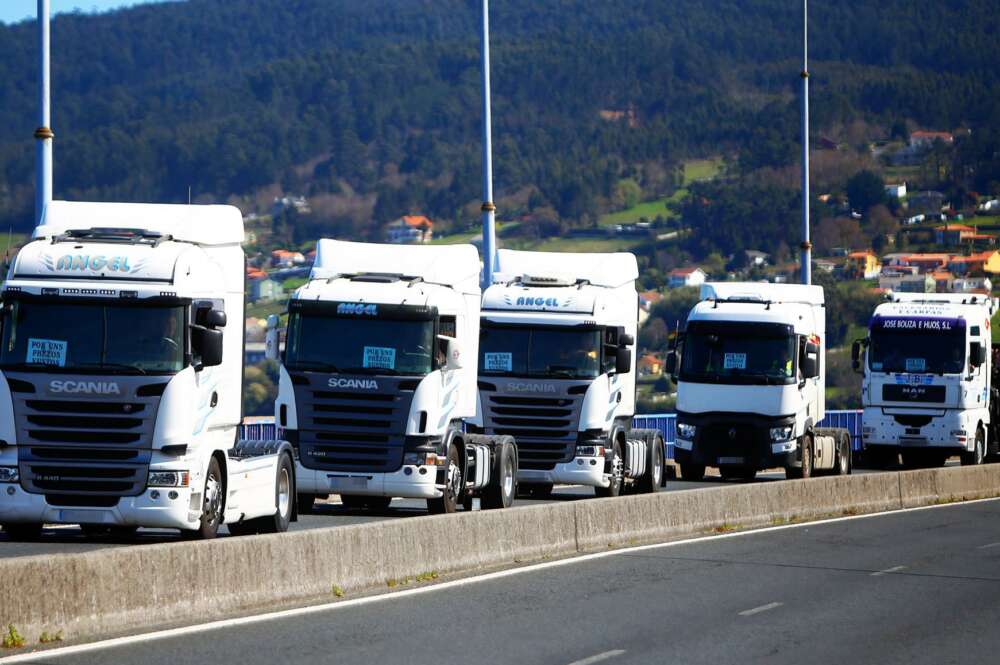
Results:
x,y
447,326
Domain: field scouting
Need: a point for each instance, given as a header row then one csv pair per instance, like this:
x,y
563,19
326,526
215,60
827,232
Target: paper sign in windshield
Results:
x,y
916,364
734,361
47,351
499,362
379,357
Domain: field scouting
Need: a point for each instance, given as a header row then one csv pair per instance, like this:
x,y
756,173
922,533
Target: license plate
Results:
x,y
732,460
81,516
348,482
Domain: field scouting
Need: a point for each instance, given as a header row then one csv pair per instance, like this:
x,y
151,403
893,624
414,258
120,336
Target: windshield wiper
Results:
x,y
32,365
567,371
303,365
371,370
119,366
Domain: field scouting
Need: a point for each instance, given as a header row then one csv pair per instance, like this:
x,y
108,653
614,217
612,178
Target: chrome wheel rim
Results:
x,y
658,464
284,492
213,498
508,480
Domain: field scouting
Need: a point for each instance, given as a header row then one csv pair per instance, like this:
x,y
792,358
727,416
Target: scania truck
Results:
x,y
556,371
750,374
929,390
377,374
121,368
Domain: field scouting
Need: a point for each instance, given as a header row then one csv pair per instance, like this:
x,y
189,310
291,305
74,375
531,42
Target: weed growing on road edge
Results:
x,y
12,639
428,576
726,528
337,591
403,581
46,637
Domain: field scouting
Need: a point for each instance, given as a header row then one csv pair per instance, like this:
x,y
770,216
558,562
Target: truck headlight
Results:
x,y
781,433
169,479
9,474
424,459
590,451
686,431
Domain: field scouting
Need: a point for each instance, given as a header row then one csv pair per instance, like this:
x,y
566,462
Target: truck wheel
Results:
x,y
844,456
615,468
503,485
978,454
454,483
692,472
806,470
211,505
284,490
23,531
305,503
653,478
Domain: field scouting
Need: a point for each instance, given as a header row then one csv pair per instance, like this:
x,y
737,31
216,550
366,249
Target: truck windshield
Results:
x,y
541,351
917,345
738,353
92,337
336,344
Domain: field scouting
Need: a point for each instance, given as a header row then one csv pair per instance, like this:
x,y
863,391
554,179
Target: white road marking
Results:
x,y
596,658
887,571
758,610
988,546
441,586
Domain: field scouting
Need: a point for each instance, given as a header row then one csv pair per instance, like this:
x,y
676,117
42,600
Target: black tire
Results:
x,y
305,503
540,491
881,458
978,454
245,528
503,485
843,465
454,486
614,467
95,530
806,470
652,480
736,472
692,472
212,504
366,503
23,531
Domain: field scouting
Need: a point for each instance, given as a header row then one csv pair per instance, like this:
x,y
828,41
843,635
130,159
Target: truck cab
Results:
x,y
122,362
556,371
750,375
928,390
377,374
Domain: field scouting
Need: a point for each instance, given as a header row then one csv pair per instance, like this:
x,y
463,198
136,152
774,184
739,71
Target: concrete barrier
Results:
x,y
118,590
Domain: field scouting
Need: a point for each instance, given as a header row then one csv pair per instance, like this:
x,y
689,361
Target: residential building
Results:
x,y
650,365
263,288
927,262
686,277
896,190
283,258
410,229
757,258
921,140
942,281
909,284
982,262
929,203
283,203
972,285
863,265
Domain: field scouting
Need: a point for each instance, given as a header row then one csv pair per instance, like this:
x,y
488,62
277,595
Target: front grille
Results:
x,y
545,427
359,430
85,449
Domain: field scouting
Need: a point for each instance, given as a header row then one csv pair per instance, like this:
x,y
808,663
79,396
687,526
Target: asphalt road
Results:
x,y
58,539
915,587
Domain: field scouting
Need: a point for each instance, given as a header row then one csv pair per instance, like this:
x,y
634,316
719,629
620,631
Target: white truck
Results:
x,y
750,374
121,387
929,390
378,373
556,371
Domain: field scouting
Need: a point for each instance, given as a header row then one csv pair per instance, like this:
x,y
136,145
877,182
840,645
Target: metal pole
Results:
x,y
488,209
43,135
806,272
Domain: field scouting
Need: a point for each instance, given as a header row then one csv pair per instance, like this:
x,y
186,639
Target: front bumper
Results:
x,y
141,511
410,482
588,471
736,440
942,430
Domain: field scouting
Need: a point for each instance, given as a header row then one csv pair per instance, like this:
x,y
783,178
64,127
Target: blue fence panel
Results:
x,y
259,431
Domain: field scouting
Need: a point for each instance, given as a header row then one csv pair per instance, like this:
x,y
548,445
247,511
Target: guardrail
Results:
x,y
263,429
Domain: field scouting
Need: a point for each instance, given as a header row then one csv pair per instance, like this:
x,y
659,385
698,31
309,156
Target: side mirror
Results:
x,y
670,363
856,355
452,350
210,317
626,340
810,361
207,345
623,361
271,339
977,354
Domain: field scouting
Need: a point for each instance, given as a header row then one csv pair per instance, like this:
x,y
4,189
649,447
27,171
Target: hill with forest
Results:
x,y
371,109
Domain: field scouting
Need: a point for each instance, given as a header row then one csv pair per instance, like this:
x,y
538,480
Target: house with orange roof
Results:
x,y
283,258
410,229
950,235
982,262
927,262
863,265
923,140
650,365
686,277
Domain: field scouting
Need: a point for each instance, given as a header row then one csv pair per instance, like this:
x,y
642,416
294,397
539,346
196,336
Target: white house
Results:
x,y
686,277
896,190
410,229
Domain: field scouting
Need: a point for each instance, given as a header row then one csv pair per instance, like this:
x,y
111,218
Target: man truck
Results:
x,y
750,376
929,390
556,371
122,369
377,374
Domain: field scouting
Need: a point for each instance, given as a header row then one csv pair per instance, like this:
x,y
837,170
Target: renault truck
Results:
x,y
750,373
557,372
929,390
121,368
378,374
